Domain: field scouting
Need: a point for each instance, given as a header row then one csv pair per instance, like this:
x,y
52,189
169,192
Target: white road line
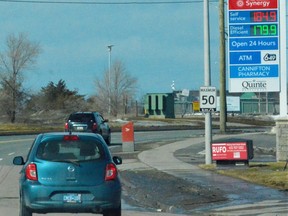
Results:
x,y
11,153
1,159
202,152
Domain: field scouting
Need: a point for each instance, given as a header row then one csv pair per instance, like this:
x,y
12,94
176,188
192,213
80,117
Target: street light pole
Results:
x,y
109,79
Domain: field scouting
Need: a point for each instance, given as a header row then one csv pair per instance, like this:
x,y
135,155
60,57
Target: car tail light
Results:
x,y
66,126
71,138
31,172
111,172
94,127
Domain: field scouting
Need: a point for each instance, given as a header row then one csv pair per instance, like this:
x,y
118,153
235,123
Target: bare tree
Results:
x,y
119,88
19,56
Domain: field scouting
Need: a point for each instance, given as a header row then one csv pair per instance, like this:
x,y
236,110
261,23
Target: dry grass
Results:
x,y
269,174
26,129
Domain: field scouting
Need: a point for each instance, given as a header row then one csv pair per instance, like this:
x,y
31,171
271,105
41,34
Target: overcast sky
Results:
x,y
158,43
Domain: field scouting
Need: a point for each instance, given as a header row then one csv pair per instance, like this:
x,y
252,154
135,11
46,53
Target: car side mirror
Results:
x,y
117,160
18,160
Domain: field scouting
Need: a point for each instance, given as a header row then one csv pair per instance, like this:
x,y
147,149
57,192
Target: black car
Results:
x,y
71,173
89,122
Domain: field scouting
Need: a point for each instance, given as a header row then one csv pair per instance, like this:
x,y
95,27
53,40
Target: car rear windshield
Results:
x,y
81,117
70,150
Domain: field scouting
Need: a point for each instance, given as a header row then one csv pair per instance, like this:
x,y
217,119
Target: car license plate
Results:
x,y
72,198
80,128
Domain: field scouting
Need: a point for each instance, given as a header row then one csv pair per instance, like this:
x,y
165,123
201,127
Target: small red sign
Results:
x,y
128,132
229,151
252,4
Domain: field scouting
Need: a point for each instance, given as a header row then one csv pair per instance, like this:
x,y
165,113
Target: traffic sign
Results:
x,y
208,98
253,29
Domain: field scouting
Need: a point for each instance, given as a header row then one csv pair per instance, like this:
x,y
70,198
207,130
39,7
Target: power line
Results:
x,y
104,3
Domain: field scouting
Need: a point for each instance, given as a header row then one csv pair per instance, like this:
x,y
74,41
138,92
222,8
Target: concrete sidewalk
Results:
x,y
244,198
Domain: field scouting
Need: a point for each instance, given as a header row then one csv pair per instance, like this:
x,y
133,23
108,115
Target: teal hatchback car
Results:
x,y
71,173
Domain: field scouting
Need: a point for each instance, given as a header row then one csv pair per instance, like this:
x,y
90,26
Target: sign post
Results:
x,y
207,80
283,64
253,46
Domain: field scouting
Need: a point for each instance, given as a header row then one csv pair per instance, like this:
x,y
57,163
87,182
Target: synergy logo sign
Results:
x,y
240,3
252,4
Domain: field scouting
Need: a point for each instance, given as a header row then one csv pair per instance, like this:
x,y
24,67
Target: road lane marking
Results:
x,y
202,152
11,153
1,159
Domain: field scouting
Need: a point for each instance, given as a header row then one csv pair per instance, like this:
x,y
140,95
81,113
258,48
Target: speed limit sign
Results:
x,y
208,99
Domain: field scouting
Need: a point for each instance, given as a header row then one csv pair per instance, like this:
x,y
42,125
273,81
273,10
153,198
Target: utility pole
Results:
x,y
222,63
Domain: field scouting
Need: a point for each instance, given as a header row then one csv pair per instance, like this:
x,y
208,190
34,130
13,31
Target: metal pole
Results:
x,y
222,62
283,60
267,104
259,102
109,80
207,78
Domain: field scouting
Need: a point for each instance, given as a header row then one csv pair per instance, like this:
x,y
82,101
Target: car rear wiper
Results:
x,y
75,162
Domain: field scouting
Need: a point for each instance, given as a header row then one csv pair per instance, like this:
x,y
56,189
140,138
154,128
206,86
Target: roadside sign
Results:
x,y
128,132
128,137
253,29
185,92
196,106
229,151
232,104
208,99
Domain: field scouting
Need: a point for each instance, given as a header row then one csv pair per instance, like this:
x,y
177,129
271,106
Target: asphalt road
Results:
x,y
11,146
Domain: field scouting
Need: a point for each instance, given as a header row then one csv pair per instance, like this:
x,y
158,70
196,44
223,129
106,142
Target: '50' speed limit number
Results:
x,y
208,99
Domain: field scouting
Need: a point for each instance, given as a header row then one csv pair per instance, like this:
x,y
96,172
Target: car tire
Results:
x,y
24,211
112,212
108,139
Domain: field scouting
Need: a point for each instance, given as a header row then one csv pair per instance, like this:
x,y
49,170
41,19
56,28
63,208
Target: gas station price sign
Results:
x,y
263,30
253,30
253,16
263,16
250,30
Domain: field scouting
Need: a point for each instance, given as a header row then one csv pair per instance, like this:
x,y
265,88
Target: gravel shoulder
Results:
x,y
158,191
163,192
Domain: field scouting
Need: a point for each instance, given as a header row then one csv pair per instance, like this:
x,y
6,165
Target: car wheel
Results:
x,y
108,139
113,212
24,211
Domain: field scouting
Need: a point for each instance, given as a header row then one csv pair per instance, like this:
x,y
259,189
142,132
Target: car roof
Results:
x,y
57,135
86,134
85,113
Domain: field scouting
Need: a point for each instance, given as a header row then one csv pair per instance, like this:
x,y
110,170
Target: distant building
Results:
x,y
159,105
181,103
